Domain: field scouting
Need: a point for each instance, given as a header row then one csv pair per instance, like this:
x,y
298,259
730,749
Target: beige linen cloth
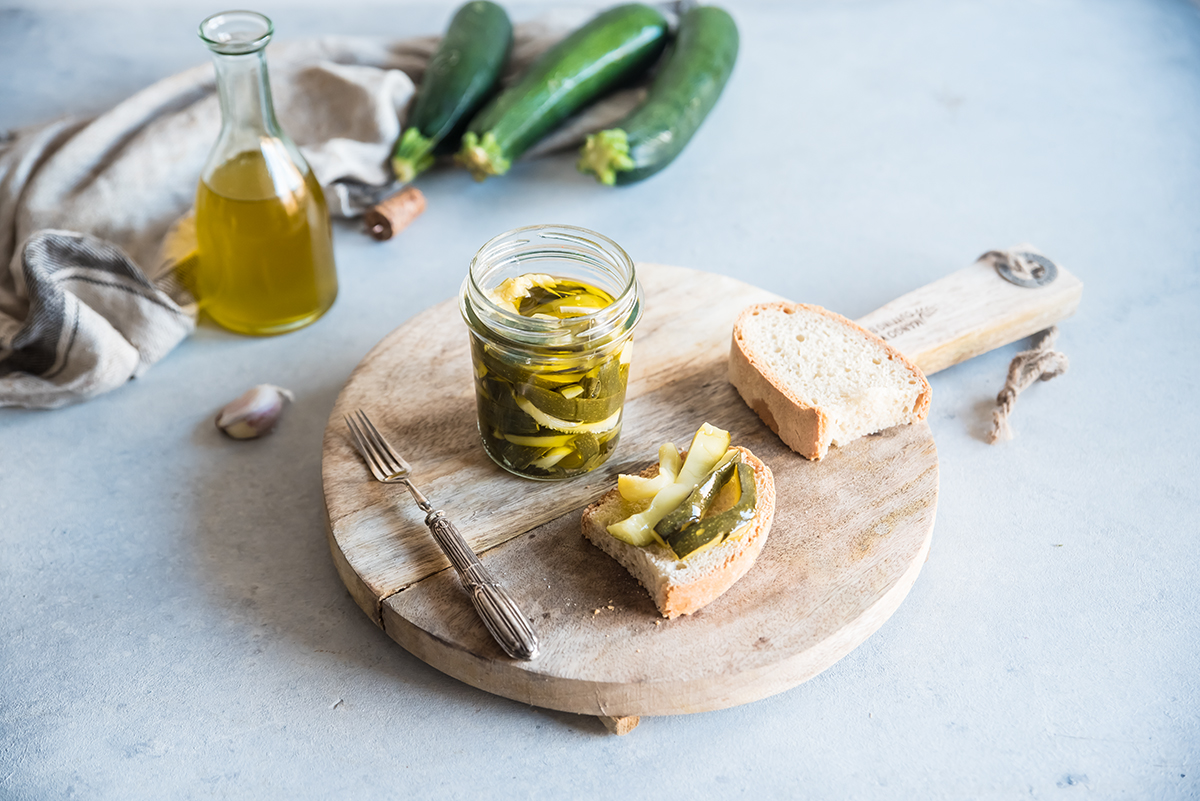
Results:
x,y
90,209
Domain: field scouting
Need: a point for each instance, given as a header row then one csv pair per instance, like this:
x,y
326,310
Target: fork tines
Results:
x,y
379,453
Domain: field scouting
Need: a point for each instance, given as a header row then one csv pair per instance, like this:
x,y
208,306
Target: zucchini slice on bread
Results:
x,y
732,518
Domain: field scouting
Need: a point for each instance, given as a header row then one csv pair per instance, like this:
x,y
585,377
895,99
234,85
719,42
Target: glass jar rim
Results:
x,y
236,32
602,324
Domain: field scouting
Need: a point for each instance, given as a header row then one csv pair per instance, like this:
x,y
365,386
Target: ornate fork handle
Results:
x,y
495,606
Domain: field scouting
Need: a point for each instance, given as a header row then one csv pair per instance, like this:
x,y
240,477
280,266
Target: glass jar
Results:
x,y
265,242
551,311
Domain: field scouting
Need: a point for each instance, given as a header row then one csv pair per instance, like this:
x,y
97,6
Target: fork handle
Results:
x,y
495,606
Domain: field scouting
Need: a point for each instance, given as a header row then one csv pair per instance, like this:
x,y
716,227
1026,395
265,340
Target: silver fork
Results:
x,y
499,611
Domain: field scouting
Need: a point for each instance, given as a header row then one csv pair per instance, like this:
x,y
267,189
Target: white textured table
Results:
x,y
173,625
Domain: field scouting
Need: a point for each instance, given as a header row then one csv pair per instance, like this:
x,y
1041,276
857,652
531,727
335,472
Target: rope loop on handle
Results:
x,y
1040,363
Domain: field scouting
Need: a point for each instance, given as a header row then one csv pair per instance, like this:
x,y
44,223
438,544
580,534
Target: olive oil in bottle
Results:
x,y
265,252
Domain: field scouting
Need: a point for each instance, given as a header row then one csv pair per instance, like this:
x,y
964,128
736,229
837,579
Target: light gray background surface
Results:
x,y
172,624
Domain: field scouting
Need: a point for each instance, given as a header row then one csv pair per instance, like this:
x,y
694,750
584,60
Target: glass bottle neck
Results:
x,y
245,93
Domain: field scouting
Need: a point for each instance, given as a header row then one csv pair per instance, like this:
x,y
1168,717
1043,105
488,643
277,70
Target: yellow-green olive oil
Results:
x,y
265,251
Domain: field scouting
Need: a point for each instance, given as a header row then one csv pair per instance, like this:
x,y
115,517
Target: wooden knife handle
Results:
x,y
971,312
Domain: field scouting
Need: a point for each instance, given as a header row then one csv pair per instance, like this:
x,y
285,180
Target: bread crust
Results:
x,y
802,427
732,558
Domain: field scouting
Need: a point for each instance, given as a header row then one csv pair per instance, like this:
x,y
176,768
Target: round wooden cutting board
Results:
x,y
849,537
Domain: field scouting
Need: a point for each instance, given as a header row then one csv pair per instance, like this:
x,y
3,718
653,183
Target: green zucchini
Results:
x,y
462,75
614,47
682,94
709,445
701,499
712,531
584,410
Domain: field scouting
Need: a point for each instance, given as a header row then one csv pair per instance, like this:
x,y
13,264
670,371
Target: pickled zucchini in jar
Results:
x,y
550,412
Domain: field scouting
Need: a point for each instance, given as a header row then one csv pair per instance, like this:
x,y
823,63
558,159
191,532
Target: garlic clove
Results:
x,y
254,413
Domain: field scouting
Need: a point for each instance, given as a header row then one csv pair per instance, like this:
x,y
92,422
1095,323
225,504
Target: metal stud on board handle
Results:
x,y
1022,267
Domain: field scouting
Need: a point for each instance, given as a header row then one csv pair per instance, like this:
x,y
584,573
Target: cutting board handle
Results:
x,y
973,311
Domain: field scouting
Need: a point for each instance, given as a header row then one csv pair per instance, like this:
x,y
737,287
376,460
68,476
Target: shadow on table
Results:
x,y
263,553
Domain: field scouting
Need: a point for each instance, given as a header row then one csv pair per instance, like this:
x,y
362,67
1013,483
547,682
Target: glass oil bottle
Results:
x,y
264,237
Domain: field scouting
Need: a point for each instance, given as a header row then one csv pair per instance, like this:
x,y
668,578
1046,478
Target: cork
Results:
x,y
395,214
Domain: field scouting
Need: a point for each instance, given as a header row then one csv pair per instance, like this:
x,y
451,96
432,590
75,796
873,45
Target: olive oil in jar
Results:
x,y
551,412
265,250
550,311
548,296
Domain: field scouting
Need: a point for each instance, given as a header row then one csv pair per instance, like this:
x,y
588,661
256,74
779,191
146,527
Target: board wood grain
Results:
x,y
970,312
849,537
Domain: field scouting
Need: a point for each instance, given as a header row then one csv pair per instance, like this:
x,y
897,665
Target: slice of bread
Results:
x,y
680,587
817,379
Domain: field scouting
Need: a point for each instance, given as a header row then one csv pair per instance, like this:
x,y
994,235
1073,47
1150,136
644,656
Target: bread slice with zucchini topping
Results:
x,y
690,526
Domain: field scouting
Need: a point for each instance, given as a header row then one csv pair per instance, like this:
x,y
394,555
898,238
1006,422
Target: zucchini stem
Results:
x,y
482,156
412,155
605,154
